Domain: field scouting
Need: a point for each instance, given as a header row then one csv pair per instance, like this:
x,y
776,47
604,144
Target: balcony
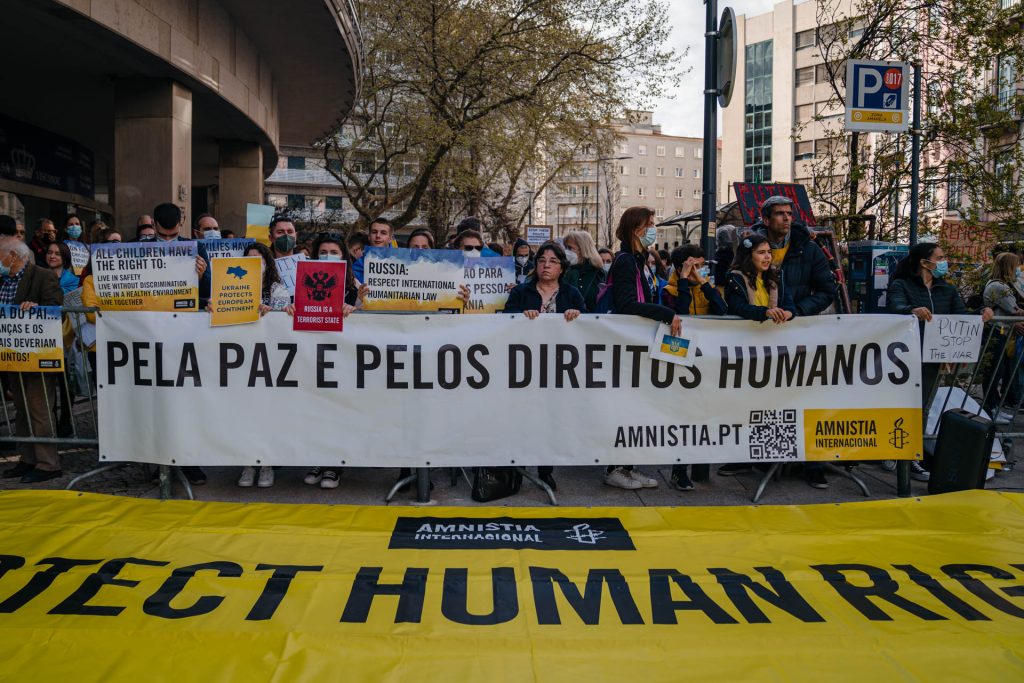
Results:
x,y
319,176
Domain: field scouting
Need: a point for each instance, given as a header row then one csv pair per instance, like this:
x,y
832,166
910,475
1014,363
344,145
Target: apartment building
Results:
x,y
646,168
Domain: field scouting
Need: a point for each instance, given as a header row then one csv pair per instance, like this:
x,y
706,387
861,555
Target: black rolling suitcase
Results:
x,y
962,452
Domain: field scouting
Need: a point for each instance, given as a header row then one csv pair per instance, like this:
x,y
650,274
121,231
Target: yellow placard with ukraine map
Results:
x,y
237,289
31,340
109,588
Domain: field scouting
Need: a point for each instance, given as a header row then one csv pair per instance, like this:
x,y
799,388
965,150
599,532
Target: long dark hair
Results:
x,y
270,274
633,219
911,263
744,261
335,238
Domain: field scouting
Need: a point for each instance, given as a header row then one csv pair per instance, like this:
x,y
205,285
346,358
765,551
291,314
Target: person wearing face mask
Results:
x,y
283,236
1001,296
606,259
586,268
207,227
689,290
472,243
73,228
45,235
632,294
523,256
918,287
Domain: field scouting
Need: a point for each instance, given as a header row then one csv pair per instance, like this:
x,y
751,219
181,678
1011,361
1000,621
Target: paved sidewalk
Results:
x,y
577,487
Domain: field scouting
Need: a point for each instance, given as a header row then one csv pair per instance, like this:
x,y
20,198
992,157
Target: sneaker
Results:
x,y
314,476
888,465
36,476
248,477
681,481
620,479
330,480
735,468
816,478
917,472
643,479
266,479
1004,418
19,470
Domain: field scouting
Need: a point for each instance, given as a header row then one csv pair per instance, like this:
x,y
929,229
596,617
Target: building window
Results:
x,y
825,110
679,193
805,39
660,192
679,173
804,150
1007,4
680,152
642,150
659,213
928,190
821,73
623,170
1006,80
297,163
696,173
625,191
954,191
934,95
804,112
660,150
696,194
623,148
804,76
335,203
1004,178
296,201
642,171
641,192
660,172
757,144
334,165
698,153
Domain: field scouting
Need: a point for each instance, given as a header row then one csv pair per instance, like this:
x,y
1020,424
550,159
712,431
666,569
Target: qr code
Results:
x,y
772,434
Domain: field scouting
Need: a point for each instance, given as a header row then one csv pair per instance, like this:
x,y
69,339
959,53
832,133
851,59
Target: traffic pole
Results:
x,y
915,154
708,208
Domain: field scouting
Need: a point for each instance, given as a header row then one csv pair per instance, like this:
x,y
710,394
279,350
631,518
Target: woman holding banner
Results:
x,y
753,289
919,288
633,294
587,272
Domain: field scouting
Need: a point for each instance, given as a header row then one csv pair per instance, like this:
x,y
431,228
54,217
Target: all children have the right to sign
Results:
x,y
952,339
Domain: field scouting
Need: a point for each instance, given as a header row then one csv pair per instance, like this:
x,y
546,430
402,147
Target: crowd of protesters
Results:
x,y
772,272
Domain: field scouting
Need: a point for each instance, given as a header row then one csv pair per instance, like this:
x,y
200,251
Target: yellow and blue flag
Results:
x,y
675,346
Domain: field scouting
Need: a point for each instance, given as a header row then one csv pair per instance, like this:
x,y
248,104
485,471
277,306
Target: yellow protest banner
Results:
x,y
102,588
237,287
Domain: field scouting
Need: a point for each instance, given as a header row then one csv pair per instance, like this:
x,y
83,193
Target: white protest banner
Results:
x,y
952,339
488,280
538,234
31,340
413,279
415,390
286,266
234,247
79,255
672,349
146,276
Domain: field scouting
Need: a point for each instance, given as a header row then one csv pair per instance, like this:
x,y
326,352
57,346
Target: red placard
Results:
x,y
751,195
319,296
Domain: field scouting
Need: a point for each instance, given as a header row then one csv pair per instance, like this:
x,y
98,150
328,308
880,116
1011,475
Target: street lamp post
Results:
x,y
597,192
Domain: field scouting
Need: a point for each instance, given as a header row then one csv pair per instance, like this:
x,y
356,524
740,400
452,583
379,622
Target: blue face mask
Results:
x,y
74,231
4,270
941,268
650,237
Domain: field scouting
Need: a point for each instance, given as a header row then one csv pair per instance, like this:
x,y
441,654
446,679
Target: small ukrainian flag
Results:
x,y
675,346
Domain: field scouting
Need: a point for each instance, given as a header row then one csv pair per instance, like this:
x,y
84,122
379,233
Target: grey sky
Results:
x,y
682,111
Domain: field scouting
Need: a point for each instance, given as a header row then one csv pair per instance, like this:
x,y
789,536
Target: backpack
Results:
x,y
605,297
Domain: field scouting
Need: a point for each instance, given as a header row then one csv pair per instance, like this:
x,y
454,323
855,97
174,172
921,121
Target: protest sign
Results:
x,y
236,246
488,280
413,279
952,339
672,349
257,222
286,266
31,340
79,255
320,296
237,286
146,276
538,234
748,393
115,588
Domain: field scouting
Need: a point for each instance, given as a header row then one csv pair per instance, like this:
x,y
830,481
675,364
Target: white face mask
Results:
x,y
606,267
571,257
522,260
212,234
472,253
330,257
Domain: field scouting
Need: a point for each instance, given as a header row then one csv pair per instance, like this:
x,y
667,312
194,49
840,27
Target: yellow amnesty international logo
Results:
x,y
874,116
675,346
863,434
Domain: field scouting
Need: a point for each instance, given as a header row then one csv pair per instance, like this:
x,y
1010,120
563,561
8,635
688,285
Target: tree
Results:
x,y
966,126
477,94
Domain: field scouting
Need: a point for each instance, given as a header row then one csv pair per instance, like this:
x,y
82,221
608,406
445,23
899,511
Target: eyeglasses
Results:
x,y
468,247
549,262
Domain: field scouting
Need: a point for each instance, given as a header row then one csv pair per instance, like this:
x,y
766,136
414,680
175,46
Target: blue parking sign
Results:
x,y
877,96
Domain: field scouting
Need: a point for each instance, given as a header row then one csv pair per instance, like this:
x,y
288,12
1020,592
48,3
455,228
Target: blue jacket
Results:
x,y
68,280
525,297
804,272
